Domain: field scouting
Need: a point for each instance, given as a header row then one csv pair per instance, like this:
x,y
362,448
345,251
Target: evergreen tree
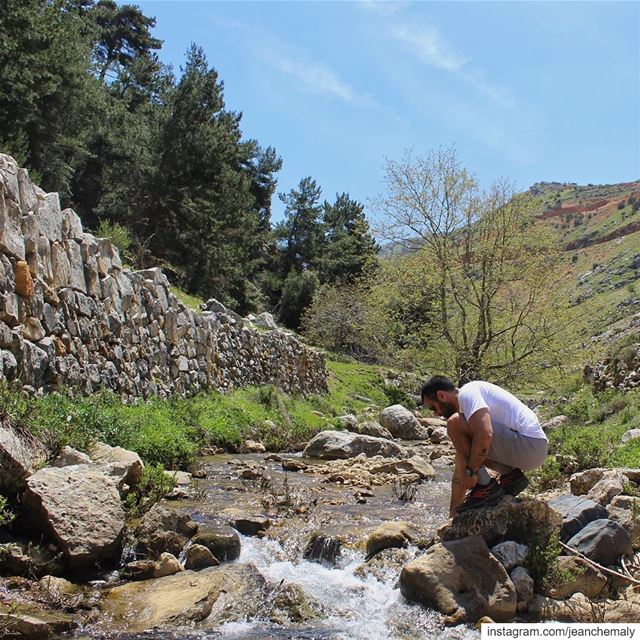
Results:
x,y
348,245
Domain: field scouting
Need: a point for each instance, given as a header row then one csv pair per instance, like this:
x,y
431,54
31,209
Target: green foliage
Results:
x,y
119,235
542,563
153,486
297,294
549,475
188,300
6,515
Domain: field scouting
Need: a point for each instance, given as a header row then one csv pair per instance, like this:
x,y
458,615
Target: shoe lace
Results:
x,y
479,493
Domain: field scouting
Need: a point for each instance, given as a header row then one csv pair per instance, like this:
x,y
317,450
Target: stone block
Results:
x,y
576,513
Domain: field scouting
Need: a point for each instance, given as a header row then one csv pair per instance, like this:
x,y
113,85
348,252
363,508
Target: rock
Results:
x,y
69,456
28,622
336,445
80,509
163,530
401,423
322,548
390,535
125,464
222,541
580,609
59,587
292,605
602,541
582,482
265,320
291,464
20,455
214,594
166,565
438,435
23,558
250,446
348,422
413,465
632,434
24,282
523,584
554,423
199,557
576,576
625,510
251,525
608,487
576,513
375,429
521,520
511,554
180,478
462,580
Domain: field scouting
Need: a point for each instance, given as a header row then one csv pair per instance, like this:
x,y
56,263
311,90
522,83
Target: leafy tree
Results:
x,y
485,259
348,246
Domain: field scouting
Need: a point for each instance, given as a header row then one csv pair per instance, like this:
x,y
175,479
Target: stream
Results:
x,y
358,600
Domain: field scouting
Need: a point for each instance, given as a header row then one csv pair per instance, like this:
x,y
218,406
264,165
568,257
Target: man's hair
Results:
x,y
435,384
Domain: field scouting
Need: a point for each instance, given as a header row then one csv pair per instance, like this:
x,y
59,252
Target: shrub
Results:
x,y
119,235
6,516
153,486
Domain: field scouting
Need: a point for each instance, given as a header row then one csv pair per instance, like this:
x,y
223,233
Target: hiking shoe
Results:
x,y
482,496
513,483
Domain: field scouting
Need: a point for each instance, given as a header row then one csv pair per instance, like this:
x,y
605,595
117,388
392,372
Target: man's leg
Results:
x,y
461,436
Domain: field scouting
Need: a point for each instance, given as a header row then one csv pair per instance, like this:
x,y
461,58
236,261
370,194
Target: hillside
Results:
x,y
598,227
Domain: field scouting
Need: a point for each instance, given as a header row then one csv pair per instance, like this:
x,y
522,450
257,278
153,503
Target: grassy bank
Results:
x,y
592,436
173,432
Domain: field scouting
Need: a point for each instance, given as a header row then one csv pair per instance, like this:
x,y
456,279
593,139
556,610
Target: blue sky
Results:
x,y
524,90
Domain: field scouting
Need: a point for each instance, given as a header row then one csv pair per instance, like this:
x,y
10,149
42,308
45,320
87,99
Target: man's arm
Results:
x,y
482,429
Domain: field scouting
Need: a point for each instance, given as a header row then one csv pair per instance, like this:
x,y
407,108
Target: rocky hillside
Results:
x,y
599,229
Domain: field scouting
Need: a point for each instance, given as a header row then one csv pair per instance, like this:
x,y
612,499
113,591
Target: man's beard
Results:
x,y
447,409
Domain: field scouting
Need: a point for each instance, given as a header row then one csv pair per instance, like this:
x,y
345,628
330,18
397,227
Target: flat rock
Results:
x,y
414,465
29,622
166,565
576,512
339,445
70,456
554,423
251,525
375,429
213,594
579,578
602,541
518,519
402,423
632,434
579,608
462,580
79,508
608,487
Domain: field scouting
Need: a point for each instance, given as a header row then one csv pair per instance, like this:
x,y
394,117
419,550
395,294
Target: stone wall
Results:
x,y
622,372
71,316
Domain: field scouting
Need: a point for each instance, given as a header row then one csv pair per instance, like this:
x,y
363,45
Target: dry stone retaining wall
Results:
x,y
71,316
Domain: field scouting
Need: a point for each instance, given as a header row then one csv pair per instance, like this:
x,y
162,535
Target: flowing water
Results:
x,y
356,604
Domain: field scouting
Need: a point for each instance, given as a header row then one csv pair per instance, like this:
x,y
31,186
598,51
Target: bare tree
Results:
x,y
485,256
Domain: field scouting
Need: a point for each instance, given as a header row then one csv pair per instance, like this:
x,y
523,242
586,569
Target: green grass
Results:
x,y
173,432
188,300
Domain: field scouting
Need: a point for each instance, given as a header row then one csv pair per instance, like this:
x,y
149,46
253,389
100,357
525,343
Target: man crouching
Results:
x,y
489,427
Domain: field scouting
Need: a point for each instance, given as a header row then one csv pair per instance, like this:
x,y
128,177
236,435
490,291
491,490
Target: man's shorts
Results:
x,y
510,449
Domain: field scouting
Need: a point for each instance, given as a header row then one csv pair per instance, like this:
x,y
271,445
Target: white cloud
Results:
x,y
382,7
429,46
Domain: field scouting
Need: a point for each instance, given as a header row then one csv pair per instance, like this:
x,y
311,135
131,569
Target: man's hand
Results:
x,y
468,482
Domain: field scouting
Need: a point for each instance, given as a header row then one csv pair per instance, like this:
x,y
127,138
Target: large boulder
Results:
x,y
79,508
390,535
602,541
401,423
462,580
339,445
218,593
522,520
579,608
125,464
576,512
163,530
20,456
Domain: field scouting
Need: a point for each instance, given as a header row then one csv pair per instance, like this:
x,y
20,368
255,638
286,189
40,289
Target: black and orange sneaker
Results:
x,y
513,483
482,496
